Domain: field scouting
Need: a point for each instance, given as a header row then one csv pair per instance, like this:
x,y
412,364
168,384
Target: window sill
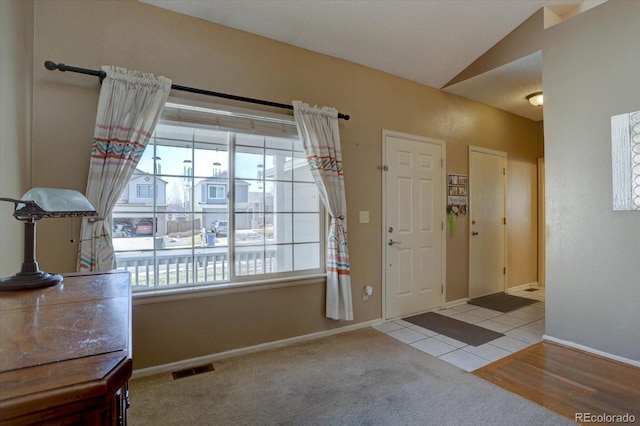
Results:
x,y
211,290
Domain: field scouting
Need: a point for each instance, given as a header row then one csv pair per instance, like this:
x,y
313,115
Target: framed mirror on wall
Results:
x,y
625,150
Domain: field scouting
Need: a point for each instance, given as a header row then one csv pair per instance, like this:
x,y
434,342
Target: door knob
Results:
x,y
391,242
474,233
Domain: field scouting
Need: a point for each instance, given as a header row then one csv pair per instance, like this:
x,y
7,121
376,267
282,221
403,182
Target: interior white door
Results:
x,y
487,184
413,224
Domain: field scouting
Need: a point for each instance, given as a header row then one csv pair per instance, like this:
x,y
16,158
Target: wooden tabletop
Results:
x,y
72,335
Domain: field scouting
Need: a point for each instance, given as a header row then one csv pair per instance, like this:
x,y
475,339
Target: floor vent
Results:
x,y
531,289
192,371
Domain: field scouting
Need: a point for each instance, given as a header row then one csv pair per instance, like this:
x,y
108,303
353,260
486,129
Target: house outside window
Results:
x,y
239,203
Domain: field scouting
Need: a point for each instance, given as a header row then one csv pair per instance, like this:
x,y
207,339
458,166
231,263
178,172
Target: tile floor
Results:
x,y
521,328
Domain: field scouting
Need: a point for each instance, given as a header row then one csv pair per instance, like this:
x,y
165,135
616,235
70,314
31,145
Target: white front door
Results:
x,y
413,198
487,185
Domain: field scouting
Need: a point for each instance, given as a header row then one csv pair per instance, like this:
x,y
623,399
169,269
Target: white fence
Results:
x,y
170,268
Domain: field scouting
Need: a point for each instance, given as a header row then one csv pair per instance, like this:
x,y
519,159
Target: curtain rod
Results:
x,y
101,75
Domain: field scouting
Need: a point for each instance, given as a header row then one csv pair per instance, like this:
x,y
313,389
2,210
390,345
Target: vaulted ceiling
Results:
x,y
484,50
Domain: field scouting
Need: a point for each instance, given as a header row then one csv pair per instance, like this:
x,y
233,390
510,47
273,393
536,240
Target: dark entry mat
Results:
x,y
456,329
502,302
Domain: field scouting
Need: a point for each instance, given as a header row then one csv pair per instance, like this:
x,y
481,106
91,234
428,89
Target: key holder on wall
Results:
x,y
457,199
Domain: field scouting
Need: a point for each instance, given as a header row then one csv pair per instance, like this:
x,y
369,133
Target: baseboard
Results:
x,y
522,287
456,303
193,362
590,350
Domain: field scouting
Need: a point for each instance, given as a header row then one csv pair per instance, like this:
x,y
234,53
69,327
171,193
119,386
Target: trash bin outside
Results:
x,y
158,243
211,239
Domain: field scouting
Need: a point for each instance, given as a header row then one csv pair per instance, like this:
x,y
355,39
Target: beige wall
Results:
x,y
524,40
591,68
200,54
16,50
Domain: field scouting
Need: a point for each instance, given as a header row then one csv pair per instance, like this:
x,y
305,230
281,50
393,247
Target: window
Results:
x,y
216,192
239,203
145,191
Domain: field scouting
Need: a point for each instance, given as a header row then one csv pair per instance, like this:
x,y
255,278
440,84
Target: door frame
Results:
x,y
443,192
541,224
473,148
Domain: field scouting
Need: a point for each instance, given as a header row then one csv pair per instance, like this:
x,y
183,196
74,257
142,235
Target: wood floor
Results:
x,y
568,381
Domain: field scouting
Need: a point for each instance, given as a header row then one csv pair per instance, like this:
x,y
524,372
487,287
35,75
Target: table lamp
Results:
x,y
36,204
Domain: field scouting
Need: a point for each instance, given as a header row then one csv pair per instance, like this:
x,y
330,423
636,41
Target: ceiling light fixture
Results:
x,y
535,99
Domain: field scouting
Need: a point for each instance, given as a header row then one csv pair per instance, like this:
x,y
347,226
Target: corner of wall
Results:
x,y
16,65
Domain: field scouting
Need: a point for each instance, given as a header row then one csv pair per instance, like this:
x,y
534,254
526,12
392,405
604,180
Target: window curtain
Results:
x,y
128,110
318,129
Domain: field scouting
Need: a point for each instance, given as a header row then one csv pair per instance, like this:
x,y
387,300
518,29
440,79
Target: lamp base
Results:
x,y
29,281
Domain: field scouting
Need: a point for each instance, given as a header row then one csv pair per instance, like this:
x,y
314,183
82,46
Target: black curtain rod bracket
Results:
x,y
50,65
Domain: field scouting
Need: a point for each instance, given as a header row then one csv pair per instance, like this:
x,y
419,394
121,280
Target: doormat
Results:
x,y
502,302
456,329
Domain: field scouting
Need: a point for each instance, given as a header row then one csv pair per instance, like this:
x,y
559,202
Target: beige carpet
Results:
x,y
358,378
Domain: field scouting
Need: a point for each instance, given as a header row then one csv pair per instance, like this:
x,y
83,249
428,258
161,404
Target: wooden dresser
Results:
x,y
65,352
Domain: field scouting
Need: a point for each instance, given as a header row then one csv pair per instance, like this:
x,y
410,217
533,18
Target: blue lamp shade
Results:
x,y
36,204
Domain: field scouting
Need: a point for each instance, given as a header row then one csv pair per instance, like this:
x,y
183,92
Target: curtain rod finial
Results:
x,y
50,65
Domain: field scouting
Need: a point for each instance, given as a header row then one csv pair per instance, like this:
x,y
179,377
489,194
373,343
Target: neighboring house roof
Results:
x,y
139,173
222,177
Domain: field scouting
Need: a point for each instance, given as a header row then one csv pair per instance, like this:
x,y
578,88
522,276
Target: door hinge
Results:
x,y
442,227
504,220
442,162
441,288
504,271
504,171
385,168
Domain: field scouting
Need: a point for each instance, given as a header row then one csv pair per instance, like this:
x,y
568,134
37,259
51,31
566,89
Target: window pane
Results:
x,y
245,233
177,193
141,265
305,197
184,251
305,227
249,163
243,186
211,257
210,159
251,260
306,256
278,197
282,260
174,160
278,165
282,228
183,230
212,265
301,170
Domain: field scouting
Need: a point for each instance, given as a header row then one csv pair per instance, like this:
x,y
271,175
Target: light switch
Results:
x,y
364,217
